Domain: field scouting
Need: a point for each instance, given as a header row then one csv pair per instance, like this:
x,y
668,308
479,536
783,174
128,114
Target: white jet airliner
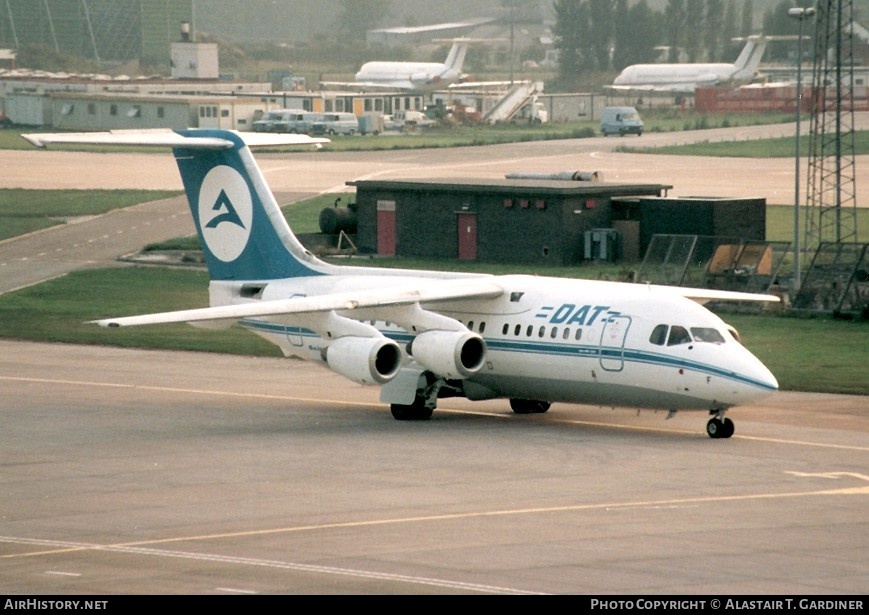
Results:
x,y
425,335
687,77
413,76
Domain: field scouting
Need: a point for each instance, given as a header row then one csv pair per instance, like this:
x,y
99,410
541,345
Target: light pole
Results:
x,y
799,14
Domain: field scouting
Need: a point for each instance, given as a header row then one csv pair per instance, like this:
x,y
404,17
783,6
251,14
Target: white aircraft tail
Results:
x,y
749,58
456,57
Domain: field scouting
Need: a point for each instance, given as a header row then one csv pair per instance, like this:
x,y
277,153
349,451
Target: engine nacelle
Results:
x,y
366,360
451,354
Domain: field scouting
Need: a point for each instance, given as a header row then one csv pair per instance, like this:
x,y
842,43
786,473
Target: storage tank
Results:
x,y
333,220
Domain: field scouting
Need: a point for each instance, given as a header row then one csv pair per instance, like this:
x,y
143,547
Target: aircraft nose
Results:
x,y
762,380
767,379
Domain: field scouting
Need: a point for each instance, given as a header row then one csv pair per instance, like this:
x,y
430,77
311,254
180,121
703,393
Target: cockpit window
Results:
x,y
659,335
707,334
678,335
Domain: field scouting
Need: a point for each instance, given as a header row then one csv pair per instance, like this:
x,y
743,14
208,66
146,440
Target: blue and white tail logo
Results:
x,y
225,212
243,232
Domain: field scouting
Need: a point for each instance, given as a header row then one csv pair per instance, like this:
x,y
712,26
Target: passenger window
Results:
x,y
541,332
566,333
470,325
707,334
578,334
517,330
482,327
505,329
678,335
554,333
529,330
659,335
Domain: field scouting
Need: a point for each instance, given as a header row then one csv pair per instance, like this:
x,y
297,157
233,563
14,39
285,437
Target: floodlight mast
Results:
x,y
799,14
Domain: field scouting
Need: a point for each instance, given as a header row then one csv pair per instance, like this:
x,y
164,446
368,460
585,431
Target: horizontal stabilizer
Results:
x,y
167,138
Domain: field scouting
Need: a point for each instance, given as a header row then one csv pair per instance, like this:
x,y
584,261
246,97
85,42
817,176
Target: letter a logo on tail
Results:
x,y
229,213
224,191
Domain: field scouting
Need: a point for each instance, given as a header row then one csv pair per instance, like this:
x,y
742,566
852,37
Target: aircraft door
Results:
x,y
612,342
294,336
294,333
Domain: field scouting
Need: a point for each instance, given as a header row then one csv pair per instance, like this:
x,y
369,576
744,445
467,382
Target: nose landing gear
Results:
x,y
719,427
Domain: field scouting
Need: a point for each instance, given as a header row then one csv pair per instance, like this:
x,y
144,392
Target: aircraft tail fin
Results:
x,y
456,57
749,58
243,232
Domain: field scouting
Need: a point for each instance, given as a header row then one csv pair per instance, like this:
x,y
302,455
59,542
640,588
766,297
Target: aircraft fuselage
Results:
x,y
590,342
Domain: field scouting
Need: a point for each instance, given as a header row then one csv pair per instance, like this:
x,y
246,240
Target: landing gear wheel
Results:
x,y
414,412
529,406
716,428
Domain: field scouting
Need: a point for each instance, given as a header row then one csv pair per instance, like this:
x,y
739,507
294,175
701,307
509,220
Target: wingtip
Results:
x,y
109,324
34,139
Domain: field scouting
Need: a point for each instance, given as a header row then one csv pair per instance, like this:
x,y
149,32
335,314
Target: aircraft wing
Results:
x,y
423,292
475,85
161,137
362,86
673,88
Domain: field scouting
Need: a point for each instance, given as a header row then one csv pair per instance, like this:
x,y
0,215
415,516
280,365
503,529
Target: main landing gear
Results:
x,y
417,411
431,387
529,406
424,402
719,427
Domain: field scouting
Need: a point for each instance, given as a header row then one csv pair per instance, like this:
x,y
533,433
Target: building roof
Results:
x,y
510,186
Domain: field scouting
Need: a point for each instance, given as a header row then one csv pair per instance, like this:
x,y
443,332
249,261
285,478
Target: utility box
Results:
x,y
602,244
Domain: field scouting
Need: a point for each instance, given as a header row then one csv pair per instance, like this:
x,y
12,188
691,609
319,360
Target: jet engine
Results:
x,y
366,360
451,354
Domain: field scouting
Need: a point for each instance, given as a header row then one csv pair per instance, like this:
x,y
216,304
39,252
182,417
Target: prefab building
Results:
x,y
524,221
126,112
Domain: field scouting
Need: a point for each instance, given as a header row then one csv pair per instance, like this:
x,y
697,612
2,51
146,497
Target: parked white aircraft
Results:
x,y
687,77
415,76
424,335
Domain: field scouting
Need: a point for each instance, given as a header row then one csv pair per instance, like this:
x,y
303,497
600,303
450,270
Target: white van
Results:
x,y
336,124
297,121
620,121
267,122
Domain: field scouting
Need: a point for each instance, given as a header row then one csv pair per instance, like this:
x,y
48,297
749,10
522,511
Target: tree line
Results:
x,y
608,35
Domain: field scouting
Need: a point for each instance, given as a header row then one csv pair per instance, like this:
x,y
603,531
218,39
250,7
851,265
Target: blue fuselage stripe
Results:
x,y
560,349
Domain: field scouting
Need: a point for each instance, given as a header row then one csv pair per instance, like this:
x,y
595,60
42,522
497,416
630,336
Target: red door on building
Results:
x,y
467,236
386,228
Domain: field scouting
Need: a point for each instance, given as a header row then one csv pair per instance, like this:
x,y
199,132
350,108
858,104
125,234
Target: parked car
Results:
x,y
390,123
412,119
336,124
